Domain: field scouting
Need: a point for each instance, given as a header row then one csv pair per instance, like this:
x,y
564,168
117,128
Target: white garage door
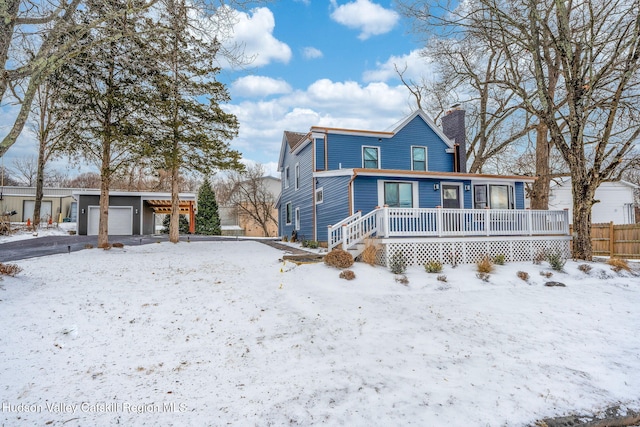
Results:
x,y
120,220
29,207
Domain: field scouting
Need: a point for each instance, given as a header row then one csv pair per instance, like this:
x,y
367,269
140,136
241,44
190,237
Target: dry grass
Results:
x,y
585,268
9,269
339,259
618,264
523,275
347,275
485,265
370,253
118,245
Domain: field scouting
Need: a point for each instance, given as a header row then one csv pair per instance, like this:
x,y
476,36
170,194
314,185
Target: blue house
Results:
x,y
333,177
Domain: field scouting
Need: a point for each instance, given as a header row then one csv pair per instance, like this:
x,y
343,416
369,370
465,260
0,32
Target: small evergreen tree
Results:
x,y
207,218
183,227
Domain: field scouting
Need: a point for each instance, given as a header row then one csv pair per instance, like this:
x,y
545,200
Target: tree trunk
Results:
x,y
582,203
105,183
174,223
540,188
39,186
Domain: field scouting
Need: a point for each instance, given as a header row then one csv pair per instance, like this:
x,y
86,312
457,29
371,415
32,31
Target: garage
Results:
x,y
30,206
120,220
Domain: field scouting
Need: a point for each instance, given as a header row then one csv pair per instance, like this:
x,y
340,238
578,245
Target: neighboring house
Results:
x,y
130,213
57,203
331,177
616,201
235,218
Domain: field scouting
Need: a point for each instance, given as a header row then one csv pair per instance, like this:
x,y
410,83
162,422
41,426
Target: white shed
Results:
x,y
616,201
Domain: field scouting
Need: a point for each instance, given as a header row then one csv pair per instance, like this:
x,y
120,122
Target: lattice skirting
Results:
x,y
470,250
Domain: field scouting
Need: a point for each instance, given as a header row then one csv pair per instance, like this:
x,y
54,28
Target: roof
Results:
x,y
293,138
145,195
420,174
566,180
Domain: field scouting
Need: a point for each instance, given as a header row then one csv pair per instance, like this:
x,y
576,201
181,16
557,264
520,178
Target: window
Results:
x,y
398,194
288,214
419,158
494,196
297,219
319,195
297,175
371,157
286,177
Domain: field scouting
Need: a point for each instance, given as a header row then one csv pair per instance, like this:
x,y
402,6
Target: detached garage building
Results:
x,y
130,213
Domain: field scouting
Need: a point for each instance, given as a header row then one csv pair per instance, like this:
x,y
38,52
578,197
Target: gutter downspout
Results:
x,y
456,167
313,188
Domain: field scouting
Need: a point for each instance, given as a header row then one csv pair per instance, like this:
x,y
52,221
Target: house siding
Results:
x,y
345,151
302,197
335,206
320,150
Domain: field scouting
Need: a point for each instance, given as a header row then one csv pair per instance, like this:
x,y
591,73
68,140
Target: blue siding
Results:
x,y
519,190
319,154
395,153
335,207
301,198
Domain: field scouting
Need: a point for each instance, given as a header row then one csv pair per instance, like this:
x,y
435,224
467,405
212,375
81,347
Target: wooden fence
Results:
x,y
620,241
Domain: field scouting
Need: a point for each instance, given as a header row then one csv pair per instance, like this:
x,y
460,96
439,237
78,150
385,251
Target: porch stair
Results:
x,y
356,250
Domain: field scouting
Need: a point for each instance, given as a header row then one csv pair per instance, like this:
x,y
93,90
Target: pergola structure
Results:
x,y
186,207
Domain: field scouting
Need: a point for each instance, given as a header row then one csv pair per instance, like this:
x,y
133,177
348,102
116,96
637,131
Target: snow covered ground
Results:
x,y
225,333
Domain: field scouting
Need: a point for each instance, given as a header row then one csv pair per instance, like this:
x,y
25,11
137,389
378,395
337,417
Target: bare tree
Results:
x,y
576,67
248,192
26,170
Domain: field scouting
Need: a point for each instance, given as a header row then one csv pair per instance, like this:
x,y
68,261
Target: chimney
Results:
x,y
453,128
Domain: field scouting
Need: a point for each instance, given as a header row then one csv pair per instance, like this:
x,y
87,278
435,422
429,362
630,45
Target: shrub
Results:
x,y
433,267
370,253
339,259
485,265
9,269
398,263
118,245
585,268
523,275
455,259
546,274
305,243
483,276
539,257
499,259
312,244
347,275
618,264
556,261
285,238
88,246
442,278
402,279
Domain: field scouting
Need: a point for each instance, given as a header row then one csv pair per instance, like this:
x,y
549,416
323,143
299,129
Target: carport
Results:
x,y
130,213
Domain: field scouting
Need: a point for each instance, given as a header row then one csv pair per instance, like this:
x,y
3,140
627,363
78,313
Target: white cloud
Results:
x,y
413,65
370,18
374,106
259,86
311,53
253,32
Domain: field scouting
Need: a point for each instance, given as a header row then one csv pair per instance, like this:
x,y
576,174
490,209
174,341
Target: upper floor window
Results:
x,y
288,213
297,175
286,177
371,157
319,195
419,158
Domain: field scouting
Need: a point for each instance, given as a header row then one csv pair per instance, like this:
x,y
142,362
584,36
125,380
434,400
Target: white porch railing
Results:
x,y
440,222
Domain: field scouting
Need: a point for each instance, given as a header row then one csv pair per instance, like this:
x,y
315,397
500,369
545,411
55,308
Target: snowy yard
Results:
x,y
223,333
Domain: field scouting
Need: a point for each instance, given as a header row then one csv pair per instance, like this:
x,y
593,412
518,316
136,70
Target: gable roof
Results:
x,y
297,140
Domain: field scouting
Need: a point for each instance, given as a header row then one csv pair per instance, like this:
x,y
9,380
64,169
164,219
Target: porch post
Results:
x,y
439,220
385,221
530,221
566,221
345,240
487,223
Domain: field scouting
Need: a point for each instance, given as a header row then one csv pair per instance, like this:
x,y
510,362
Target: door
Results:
x,y
452,221
451,196
29,207
120,220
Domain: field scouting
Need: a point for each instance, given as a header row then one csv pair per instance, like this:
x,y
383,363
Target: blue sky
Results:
x,y
327,63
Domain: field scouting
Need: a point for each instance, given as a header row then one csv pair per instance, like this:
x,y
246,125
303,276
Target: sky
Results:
x,y
314,63
195,334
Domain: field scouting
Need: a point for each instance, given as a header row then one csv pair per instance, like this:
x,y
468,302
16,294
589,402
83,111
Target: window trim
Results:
x,y
415,193
287,213
320,191
286,177
426,168
379,159
296,177
297,219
